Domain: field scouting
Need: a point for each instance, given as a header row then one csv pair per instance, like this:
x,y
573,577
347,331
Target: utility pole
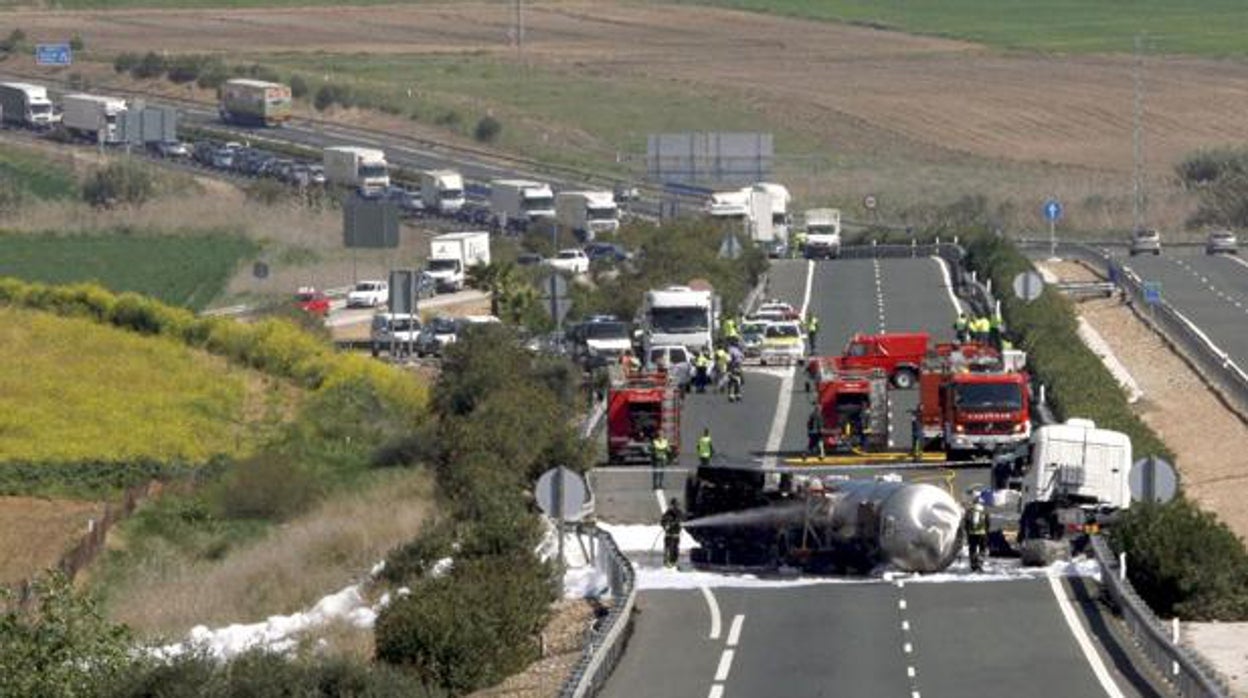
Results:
x,y
518,26
1138,203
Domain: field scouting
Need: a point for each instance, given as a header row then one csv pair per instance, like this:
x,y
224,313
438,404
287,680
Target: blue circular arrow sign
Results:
x,y
1052,210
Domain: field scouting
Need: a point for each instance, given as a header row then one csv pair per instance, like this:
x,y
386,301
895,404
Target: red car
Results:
x,y
312,301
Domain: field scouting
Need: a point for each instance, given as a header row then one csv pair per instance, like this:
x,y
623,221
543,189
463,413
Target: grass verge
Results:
x,y
1202,27
35,174
185,271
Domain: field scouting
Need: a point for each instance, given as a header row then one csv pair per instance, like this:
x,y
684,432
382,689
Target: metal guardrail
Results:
x,y
1182,668
608,637
1217,368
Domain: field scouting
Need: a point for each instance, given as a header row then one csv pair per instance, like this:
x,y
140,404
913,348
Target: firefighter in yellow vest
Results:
x,y
705,449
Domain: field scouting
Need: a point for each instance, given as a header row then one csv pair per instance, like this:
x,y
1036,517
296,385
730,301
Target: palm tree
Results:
x,y
495,278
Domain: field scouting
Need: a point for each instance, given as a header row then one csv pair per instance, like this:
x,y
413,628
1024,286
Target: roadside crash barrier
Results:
x,y
1182,668
607,639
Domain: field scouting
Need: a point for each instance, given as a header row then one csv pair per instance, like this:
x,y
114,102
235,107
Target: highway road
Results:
x,y
834,637
1211,291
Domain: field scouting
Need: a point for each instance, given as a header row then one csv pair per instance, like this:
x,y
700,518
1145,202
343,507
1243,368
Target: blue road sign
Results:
x,y
1052,210
53,54
1152,292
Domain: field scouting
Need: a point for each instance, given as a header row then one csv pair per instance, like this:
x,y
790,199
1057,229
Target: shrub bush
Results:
x,y
472,627
151,65
270,486
14,42
1184,561
298,87
487,130
76,43
125,62
212,76
119,183
184,69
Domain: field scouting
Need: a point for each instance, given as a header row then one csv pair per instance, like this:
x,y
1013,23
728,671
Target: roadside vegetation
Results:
x,y
1219,178
25,172
1201,27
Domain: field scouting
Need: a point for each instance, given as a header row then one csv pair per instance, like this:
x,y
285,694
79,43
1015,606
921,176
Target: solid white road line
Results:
x,y
717,691
810,280
734,630
1081,637
662,500
944,272
725,665
716,622
1235,258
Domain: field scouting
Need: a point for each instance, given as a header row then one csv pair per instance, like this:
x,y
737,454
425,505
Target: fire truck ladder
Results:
x,y
669,416
878,418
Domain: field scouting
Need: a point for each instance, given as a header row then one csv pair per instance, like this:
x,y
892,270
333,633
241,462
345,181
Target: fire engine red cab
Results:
x,y
899,354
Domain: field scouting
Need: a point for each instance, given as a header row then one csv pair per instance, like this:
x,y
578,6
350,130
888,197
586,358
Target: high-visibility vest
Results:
x,y
702,361
660,447
812,325
995,322
960,324
977,522
704,447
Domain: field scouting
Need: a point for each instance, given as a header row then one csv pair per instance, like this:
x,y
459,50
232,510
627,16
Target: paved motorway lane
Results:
x,y
1212,291
849,637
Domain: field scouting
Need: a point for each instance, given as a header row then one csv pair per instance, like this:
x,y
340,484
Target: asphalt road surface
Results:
x,y
1211,291
839,637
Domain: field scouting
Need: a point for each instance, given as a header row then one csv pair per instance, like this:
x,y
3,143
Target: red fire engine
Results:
x,y
640,406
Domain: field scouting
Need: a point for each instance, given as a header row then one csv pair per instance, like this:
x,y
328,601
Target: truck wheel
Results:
x,y
904,378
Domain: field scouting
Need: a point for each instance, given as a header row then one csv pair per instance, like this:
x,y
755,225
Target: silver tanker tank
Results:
x,y
912,527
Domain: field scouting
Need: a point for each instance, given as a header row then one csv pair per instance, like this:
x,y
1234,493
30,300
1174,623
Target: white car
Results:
x,y
1222,241
394,330
573,261
780,309
369,294
783,343
1145,240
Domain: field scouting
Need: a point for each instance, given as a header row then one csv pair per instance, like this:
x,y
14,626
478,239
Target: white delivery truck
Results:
x,y
442,191
26,105
823,233
451,255
352,166
94,117
780,198
518,202
679,315
587,213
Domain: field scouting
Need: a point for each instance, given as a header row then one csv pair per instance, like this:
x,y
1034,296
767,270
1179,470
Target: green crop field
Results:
x,y
185,271
72,389
1202,27
35,174
570,116
176,4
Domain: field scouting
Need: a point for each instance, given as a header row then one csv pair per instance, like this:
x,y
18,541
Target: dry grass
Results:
x,y
290,569
34,532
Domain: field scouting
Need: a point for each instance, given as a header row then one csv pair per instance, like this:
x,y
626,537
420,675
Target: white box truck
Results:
x,y
442,191
587,213
518,202
94,117
451,255
780,199
363,168
823,233
26,105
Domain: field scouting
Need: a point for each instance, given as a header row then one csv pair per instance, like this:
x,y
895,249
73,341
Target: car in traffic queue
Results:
x,y
312,301
170,150
778,309
1222,242
1145,241
435,335
752,331
369,294
571,260
784,343
529,259
395,332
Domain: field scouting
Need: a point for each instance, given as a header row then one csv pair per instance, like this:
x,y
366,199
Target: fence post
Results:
x,y
1122,565
1174,636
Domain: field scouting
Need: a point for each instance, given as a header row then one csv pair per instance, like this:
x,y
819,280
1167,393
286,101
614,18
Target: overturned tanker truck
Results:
x,y
820,524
